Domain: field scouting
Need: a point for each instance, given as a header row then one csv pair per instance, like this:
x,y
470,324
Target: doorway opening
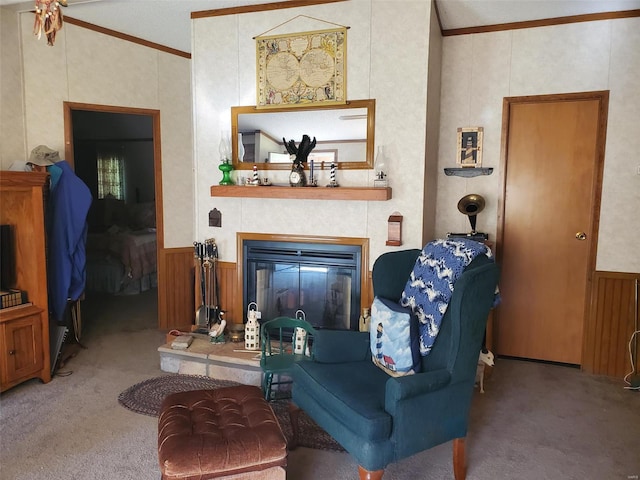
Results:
x,y
116,152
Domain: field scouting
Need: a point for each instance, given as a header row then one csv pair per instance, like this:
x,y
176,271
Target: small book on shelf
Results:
x,y
12,298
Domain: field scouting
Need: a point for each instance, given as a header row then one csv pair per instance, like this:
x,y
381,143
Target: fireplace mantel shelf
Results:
x,y
312,193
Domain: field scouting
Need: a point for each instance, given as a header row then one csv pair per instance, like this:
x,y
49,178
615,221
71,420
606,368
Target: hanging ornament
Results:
x,y
48,19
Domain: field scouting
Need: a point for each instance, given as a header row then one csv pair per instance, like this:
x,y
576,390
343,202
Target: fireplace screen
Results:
x,y
322,280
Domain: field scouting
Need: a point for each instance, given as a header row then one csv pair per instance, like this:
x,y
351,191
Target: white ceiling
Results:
x,y
168,22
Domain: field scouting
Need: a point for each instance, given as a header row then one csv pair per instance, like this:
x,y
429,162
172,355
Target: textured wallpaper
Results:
x,y
92,68
479,70
11,105
387,55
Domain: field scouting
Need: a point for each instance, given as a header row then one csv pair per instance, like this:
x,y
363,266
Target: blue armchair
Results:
x,y
380,419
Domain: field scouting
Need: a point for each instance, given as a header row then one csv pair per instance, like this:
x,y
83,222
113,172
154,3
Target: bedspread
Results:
x,y
136,250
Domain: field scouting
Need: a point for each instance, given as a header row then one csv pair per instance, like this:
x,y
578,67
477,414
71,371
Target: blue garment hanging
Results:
x,y
67,210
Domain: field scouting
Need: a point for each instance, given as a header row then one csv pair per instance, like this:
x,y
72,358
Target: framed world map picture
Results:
x,y
302,69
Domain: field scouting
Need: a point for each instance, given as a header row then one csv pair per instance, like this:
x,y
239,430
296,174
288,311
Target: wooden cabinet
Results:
x,y
21,348
24,330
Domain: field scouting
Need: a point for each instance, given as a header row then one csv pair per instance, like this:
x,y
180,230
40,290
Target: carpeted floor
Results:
x,y
146,398
535,421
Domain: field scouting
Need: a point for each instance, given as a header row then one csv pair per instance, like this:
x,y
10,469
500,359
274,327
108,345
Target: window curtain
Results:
x,y
111,173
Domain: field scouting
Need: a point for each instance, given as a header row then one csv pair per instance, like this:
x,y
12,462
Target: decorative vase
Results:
x,y
226,168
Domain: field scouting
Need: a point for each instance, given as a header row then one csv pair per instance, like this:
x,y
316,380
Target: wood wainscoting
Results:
x,y
611,322
176,304
228,292
179,299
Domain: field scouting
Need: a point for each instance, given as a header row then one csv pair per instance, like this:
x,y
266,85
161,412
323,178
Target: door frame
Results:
x,y
68,109
602,97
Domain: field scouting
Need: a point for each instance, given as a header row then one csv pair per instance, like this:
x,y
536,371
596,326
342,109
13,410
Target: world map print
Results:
x,y
302,69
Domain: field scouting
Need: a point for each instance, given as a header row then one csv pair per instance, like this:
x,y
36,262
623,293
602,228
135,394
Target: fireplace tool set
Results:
x,y
209,316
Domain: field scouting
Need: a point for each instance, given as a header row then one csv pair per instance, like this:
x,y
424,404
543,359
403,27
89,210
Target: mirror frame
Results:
x,y
369,104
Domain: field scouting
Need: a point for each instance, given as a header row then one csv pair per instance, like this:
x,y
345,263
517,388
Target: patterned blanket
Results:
x,y
430,284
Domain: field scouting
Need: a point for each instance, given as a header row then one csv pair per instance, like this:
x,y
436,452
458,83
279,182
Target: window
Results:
x,y
111,174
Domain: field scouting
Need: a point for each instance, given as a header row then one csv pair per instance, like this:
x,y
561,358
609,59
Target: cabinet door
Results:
x,y
23,352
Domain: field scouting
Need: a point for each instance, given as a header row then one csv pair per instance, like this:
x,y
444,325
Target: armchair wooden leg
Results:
x,y
459,460
294,415
367,475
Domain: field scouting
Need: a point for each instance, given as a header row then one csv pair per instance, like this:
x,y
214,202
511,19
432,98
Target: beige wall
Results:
x,y
88,67
387,55
479,70
12,146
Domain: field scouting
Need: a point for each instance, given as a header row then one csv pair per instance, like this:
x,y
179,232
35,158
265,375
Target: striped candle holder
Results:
x,y
333,182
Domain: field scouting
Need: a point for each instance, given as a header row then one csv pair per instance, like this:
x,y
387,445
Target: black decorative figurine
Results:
x,y
297,177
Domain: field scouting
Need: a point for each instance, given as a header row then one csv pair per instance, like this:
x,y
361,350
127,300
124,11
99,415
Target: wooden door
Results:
x,y
552,166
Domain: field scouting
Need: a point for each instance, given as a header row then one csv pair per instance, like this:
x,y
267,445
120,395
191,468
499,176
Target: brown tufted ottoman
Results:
x,y
229,433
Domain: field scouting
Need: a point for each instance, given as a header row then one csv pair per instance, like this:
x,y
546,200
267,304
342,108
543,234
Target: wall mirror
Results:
x,y
344,135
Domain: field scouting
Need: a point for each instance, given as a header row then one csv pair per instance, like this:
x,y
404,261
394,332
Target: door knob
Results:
x,y
581,236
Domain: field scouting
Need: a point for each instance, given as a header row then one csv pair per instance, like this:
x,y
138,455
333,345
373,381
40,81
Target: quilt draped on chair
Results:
x,y
431,282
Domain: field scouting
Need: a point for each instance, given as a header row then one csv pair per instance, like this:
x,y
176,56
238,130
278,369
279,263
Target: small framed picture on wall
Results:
x,y
470,147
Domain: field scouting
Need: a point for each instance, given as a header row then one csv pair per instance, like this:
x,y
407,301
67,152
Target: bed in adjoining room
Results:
x,y
122,252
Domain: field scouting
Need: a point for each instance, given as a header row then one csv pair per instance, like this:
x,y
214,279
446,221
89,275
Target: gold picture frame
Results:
x,y
301,69
469,151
